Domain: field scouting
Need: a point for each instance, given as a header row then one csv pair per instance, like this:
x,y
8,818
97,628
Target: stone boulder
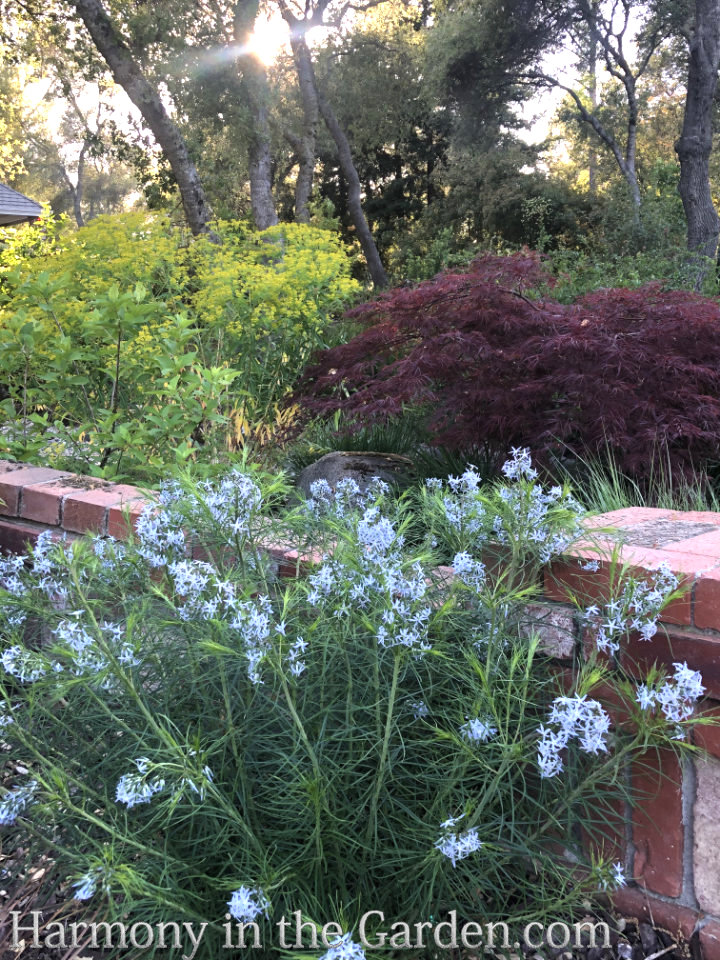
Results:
x,y
361,467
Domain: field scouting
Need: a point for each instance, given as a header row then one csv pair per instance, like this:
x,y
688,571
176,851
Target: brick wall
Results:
x,y
671,843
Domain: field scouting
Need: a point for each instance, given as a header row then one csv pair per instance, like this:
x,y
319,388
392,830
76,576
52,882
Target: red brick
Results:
x,y
13,482
705,545
634,902
710,940
121,519
707,736
700,652
85,511
707,601
42,502
657,822
627,517
565,678
566,581
294,563
15,536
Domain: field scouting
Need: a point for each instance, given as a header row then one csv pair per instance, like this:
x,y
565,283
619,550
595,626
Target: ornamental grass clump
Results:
x,y
207,742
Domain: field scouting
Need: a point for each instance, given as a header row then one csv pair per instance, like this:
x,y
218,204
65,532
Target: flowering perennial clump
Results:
x,y
187,718
519,515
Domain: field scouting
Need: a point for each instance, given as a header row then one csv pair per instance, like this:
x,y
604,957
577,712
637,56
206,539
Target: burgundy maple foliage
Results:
x,y
634,370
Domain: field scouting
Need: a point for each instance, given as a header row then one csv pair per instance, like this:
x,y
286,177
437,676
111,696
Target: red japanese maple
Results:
x,y
634,370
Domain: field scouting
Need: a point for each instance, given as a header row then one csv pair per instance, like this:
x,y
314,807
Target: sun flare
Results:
x,y
268,38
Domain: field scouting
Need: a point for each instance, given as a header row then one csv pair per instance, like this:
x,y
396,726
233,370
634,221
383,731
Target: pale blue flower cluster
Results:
x,y
345,500
344,949
88,655
519,466
676,697
379,578
26,665
478,730
232,504
111,553
527,518
41,570
11,580
638,608
136,788
161,539
50,569
207,597
463,509
16,801
376,535
611,878
457,845
87,886
253,618
6,716
296,664
571,718
471,572
529,514
419,709
246,904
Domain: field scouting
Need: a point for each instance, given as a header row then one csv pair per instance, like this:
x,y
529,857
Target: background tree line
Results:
x,y
408,123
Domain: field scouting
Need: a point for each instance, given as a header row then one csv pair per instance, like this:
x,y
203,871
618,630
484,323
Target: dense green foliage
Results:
x,y
123,347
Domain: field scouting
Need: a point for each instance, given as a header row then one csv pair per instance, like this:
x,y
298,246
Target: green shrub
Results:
x,y
201,736
123,350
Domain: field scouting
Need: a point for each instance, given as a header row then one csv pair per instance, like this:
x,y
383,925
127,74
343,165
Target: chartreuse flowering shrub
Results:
x,y
204,740
124,346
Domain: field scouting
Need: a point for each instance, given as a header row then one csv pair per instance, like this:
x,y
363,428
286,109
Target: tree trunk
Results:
x,y
631,148
695,144
255,84
354,195
79,189
129,76
306,153
592,68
